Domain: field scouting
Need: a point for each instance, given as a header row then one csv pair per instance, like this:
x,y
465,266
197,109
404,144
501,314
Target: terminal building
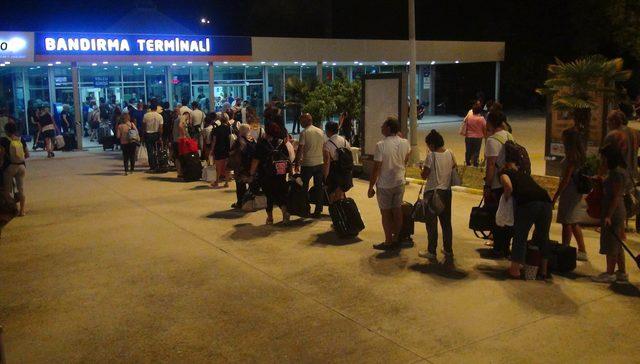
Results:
x,y
56,68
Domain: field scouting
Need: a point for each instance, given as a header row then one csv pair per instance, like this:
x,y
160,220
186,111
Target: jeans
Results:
x,y
150,141
318,176
129,156
445,224
472,151
536,214
501,235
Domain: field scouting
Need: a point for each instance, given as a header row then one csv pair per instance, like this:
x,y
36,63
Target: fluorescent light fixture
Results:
x,y
433,62
58,62
225,62
174,64
295,62
105,62
333,64
94,64
263,62
135,65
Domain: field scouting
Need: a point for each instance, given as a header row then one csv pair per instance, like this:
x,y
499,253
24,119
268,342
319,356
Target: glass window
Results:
x,y
181,84
156,83
341,72
276,90
200,73
229,73
358,72
308,74
372,70
327,74
254,74
12,95
386,69
132,74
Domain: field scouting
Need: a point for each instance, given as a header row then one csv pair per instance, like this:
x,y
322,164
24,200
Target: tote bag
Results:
x,y
504,215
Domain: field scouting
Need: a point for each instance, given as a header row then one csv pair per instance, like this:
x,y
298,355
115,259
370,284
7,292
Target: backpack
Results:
x,y
516,152
345,158
133,136
16,151
278,161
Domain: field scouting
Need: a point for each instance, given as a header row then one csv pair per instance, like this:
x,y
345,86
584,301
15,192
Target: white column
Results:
x,y
319,71
77,106
432,90
497,94
413,112
212,89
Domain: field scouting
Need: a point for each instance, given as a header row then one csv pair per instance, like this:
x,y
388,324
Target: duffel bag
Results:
x,y
482,220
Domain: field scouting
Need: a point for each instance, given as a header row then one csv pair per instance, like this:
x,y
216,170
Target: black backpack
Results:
x,y
345,158
519,154
277,164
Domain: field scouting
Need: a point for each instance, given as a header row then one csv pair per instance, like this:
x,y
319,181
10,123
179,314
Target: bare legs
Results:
x,y
391,223
569,230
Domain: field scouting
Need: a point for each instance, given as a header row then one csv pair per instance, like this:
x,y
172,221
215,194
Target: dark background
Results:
x,y
534,31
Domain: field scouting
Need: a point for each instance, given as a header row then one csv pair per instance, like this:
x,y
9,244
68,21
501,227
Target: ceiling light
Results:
x,y
263,62
189,62
203,20
225,62
244,64
7,62
296,62
105,68
408,63
135,64
94,64
38,67
148,62
275,64
457,61
304,64
2,65
58,62
325,62
433,62
355,62
333,64
384,63
105,62
50,64
360,64
174,64
115,67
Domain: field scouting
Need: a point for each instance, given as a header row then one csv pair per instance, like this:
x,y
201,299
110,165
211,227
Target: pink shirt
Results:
x,y
476,126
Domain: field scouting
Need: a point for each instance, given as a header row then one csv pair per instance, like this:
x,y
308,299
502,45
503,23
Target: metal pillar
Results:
x,y
319,71
413,111
167,86
265,86
497,93
77,106
52,88
432,90
212,88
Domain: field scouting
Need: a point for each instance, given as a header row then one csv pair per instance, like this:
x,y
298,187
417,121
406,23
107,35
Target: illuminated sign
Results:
x,y
80,44
16,46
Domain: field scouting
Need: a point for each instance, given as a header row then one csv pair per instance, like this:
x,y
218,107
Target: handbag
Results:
x,y
419,213
504,215
463,128
456,180
482,220
142,154
209,173
435,200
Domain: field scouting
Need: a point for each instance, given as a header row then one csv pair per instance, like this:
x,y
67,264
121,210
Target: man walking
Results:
x,y
310,152
152,123
388,176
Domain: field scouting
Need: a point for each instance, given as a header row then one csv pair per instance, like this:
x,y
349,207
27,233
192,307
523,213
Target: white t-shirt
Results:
x,y
185,109
440,175
312,141
339,141
494,147
152,121
197,117
392,151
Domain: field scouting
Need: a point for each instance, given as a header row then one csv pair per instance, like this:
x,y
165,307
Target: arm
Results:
x,y
617,196
374,178
64,119
565,179
506,184
491,170
326,157
118,132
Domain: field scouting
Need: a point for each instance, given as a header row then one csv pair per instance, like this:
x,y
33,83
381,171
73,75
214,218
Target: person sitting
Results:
x,y
532,207
337,181
270,165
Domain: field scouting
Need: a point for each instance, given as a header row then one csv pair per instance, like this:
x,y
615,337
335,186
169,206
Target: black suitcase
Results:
x,y
162,159
313,193
346,218
69,142
298,200
408,225
562,258
108,143
105,133
191,167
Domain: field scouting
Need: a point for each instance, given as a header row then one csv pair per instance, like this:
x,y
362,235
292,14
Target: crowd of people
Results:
x,y
263,158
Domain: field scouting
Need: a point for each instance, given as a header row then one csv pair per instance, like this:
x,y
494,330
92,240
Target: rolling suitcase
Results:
x,y
69,142
191,167
562,258
408,225
108,143
298,199
346,218
162,159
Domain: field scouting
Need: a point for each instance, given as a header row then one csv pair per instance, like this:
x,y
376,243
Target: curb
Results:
x,y
473,191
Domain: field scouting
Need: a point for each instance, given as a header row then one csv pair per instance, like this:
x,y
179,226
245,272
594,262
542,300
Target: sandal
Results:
x,y
269,221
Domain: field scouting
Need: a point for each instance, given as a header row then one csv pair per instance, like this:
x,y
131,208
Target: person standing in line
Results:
x,y
337,181
388,176
47,130
567,193
437,171
257,131
495,158
66,119
220,148
152,124
245,148
197,123
474,131
14,154
270,165
179,131
127,145
310,157
167,123
613,215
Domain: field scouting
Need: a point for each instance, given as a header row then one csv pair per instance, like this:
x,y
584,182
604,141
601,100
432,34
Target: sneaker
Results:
x,y
622,277
425,254
386,246
582,256
604,278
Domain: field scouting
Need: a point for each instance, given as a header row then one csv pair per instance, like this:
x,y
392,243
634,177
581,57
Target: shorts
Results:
x,y
51,134
390,198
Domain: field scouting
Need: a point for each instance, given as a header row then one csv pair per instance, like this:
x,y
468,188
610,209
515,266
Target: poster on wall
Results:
x,y
381,97
16,47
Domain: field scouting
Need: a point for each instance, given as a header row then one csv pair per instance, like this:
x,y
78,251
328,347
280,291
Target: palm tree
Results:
x,y
297,92
576,86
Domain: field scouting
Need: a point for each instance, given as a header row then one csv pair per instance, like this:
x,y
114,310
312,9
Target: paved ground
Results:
x,y
108,268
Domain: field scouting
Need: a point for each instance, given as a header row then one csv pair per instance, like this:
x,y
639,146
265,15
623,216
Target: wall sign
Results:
x,y
16,47
49,44
101,81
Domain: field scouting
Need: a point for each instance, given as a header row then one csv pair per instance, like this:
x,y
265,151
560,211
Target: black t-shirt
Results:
x,y
223,143
525,189
45,119
62,117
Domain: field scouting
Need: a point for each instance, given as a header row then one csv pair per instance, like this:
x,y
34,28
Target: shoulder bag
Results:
x,y
434,198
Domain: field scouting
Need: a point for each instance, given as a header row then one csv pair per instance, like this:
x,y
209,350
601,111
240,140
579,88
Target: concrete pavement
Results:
x,y
108,268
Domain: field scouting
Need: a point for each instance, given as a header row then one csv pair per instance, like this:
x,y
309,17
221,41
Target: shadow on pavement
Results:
x,y
449,271
387,262
625,289
198,188
167,179
331,238
488,253
120,173
249,231
495,272
227,214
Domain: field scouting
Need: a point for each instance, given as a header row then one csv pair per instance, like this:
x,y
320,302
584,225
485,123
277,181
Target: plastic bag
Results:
x,y
504,215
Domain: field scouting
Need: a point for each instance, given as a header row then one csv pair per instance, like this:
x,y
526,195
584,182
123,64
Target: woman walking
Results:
x,y
47,131
613,216
128,142
474,130
567,194
437,170
220,148
270,165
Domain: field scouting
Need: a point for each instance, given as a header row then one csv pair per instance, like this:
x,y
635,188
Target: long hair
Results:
x,y
574,149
